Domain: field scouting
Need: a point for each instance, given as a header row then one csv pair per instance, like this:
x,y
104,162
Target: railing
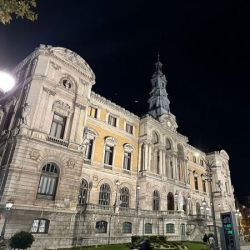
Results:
x,y
58,141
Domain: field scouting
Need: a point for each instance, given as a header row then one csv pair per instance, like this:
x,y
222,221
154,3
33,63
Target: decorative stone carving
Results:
x,y
34,154
95,178
71,163
25,110
128,148
62,108
110,141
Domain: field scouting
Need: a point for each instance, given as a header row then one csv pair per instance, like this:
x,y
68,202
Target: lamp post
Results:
x,y
8,207
209,176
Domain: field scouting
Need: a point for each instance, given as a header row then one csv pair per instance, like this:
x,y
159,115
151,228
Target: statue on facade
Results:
x,y
180,201
25,110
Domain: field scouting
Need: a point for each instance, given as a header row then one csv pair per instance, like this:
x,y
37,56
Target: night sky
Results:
x,y
204,46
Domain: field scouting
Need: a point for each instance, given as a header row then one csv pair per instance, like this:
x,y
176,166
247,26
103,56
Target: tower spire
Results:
x,y
158,101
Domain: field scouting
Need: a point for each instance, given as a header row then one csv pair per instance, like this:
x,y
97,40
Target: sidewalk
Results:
x,y
245,246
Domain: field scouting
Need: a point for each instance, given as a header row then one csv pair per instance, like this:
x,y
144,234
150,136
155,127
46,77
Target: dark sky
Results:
x,y
204,46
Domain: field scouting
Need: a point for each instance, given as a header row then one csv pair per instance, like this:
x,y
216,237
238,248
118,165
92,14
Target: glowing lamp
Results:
x,y
7,81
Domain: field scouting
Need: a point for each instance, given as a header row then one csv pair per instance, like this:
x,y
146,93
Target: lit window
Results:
x,y
58,126
112,120
129,128
170,228
83,192
104,195
92,112
108,156
40,226
48,181
127,227
101,227
127,161
148,228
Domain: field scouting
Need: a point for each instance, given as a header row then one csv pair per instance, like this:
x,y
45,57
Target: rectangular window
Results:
x,y
58,126
172,170
170,228
196,183
108,156
112,120
40,226
127,161
194,159
204,186
201,162
92,112
226,185
148,228
129,128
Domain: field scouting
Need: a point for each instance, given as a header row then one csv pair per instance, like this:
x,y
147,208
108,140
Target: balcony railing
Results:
x,y
58,141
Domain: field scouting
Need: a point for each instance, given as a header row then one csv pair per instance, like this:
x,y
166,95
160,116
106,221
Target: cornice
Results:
x,y
107,102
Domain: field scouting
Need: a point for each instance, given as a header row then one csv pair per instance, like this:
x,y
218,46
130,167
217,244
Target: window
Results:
x,y
196,186
226,185
170,201
67,84
198,208
171,170
108,155
104,195
112,120
148,228
40,226
101,227
201,162
89,149
127,227
170,228
124,197
156,201
129,128
158,162
204,186
194,159
48,181
58,126
168,144
83,192
127,161
92,112
155,138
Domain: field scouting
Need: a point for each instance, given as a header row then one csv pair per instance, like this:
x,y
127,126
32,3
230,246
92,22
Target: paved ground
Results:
x,y
245,247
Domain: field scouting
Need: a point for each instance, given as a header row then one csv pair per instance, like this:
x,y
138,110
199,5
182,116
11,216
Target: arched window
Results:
x,y
83,192
156,201
127,227
198,208
148,228
124,197
142,157
101,227
170,228
104,195
168,144
170,201
155,138
48,181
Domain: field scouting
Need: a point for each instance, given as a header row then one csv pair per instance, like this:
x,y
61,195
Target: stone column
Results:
x,y
139,162
149,157
145,156
163,163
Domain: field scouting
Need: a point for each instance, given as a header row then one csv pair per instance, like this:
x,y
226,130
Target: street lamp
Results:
x,y
209,175
8,207
7,81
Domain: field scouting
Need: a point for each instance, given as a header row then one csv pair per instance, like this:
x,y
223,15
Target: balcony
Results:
x,y
58,141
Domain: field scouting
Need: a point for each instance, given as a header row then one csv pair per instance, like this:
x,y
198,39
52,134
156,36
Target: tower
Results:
x,y
158,101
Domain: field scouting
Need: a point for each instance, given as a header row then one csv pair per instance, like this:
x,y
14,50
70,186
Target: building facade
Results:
x,y
81,170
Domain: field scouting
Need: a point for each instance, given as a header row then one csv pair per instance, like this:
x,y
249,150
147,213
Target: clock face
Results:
x,y
169,123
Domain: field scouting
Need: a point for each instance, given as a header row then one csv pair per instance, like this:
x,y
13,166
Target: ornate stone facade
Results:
x,y
82,170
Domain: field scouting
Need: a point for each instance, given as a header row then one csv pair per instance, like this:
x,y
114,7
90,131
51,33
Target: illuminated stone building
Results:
x,y
82,170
